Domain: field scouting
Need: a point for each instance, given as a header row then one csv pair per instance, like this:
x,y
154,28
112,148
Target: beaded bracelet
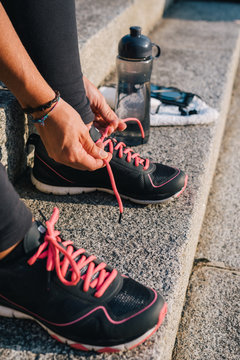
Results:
x,y
41,120
44,106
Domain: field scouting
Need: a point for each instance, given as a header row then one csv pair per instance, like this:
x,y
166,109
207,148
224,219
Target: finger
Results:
x,y
92,149
121,126
102,125
116,125
112,119
111,128
87,162
77,157
100,144
109,116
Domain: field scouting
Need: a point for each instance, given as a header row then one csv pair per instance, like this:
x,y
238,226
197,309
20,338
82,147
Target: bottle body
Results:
x,y
133,98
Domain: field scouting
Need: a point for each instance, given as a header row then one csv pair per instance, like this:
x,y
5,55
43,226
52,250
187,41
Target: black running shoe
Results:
x,y
76,298
137,179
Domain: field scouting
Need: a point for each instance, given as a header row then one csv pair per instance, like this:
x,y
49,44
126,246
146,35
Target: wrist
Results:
x,y
32,96
43,107
39,117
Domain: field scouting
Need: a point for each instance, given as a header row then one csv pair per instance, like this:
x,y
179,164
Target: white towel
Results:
x,y
163,115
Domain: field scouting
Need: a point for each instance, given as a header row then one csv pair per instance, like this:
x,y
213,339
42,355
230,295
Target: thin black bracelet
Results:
x,y
44,106
41,120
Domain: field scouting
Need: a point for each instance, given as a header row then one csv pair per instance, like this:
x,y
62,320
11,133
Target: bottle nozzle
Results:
x,y
135,31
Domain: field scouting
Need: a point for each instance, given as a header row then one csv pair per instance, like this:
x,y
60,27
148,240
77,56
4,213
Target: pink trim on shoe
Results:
x,y
184,187
160,320
86,315
72,182
158,186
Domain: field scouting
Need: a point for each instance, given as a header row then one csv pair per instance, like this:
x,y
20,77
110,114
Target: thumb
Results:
x,y
92,149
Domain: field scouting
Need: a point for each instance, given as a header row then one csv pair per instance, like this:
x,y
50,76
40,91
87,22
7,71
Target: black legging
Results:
x,y
47,29
15,217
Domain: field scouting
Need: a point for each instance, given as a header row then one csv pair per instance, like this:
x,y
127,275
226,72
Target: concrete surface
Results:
x,y
210,325
13,133
154,244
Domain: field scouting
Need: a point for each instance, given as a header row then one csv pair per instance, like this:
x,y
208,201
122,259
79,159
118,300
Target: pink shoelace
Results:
x,y
52,248
113,144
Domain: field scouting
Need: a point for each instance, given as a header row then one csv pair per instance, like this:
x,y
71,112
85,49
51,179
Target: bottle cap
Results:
x,y
136,46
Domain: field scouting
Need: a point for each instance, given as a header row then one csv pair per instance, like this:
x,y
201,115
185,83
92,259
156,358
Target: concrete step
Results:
x,y
210,325
154,244
13,134
101,23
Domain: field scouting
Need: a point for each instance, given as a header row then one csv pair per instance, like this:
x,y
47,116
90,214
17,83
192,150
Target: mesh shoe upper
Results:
x,y
132,298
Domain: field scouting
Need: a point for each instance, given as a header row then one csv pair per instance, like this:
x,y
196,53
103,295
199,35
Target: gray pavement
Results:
x,y
155,244
220,239
210,325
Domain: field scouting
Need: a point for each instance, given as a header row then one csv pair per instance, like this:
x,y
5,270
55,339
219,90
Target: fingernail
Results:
x,y
103,154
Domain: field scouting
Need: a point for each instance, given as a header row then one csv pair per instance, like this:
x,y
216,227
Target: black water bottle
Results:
x,y
134,68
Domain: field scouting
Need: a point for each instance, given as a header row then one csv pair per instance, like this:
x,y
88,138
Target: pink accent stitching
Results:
x,y
184,187
86,315
158,186
72,182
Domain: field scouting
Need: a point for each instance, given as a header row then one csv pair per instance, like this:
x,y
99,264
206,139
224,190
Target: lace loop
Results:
x,y
123,149
53,246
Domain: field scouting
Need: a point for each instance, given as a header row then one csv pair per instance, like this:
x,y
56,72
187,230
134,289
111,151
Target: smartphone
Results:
x,y
171,95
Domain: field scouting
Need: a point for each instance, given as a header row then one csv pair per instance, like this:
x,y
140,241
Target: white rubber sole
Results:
x,y
12,313
60,190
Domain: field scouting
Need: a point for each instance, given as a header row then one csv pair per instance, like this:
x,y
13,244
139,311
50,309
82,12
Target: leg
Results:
x,y
15,218
48,31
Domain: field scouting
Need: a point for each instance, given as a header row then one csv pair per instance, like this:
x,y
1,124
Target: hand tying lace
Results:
x,y
53,247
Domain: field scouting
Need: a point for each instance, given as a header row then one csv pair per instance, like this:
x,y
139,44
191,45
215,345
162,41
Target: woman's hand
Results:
x,y
104,115
67,140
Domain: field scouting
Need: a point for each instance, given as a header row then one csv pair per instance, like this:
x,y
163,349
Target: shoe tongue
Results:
x,y
94,133
34,237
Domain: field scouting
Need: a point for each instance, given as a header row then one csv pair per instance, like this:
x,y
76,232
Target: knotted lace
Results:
x,y
113,144
96,276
